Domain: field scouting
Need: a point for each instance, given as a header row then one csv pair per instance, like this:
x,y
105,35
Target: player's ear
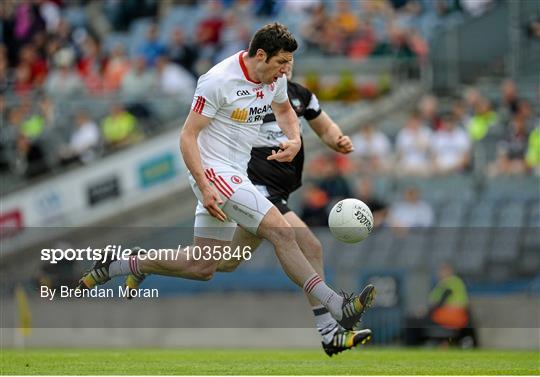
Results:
x,y
261,55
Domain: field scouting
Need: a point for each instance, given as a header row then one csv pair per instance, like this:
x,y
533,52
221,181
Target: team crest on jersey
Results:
x,y
236,179
239,115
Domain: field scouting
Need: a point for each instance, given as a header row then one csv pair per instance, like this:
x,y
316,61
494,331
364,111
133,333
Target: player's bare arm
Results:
x,y
288,122
190,152
330,133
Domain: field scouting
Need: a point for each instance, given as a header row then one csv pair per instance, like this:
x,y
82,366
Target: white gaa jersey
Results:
x,y
237,107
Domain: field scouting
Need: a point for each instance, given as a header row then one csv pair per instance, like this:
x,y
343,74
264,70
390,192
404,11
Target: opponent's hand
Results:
x,y
212,201
344,144
287,152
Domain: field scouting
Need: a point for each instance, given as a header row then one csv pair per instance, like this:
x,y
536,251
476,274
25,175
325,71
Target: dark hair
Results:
x,y
272,38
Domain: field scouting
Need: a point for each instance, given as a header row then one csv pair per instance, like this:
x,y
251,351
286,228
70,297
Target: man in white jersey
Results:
x,y
227,111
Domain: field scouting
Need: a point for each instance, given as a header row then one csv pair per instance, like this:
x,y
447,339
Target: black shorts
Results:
x,y
280,202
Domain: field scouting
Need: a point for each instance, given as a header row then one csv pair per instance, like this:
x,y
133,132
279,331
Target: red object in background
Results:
x,y
10,223
343,164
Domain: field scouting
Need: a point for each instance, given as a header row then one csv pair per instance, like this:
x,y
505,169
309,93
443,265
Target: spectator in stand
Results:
x,y
120,128
31,127
23,80
512,150
314,29
64,82
34,66
372,150
483,120
182,52
476,8
472,99
83,142
91,65
364,192
138,82
345,21
451,148
152,48
363,42
116,69
173,79
314,211
413,147
510,99
235,34
411,211
27,21
532,157
533,28
4,79
64,35
429,112
209,31
50,12
331,179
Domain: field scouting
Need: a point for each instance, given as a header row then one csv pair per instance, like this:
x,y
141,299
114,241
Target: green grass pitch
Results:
x,y
367,361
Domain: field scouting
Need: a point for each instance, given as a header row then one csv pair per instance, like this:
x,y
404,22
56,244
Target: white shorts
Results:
x,y
242,203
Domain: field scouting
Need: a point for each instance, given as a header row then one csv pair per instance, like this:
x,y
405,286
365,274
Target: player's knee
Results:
x,y
201,271
283,234
204,274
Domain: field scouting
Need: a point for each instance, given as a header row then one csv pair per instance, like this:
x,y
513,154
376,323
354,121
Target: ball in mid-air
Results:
x,y
350,220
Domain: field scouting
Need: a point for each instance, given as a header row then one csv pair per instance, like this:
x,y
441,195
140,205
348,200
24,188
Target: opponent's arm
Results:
x,y
330,133
192,158
288,122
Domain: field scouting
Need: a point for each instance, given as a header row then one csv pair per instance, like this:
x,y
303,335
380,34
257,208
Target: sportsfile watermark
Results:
x,y
117,252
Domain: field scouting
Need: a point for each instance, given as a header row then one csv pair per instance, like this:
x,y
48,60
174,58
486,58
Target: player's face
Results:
x,y
275,67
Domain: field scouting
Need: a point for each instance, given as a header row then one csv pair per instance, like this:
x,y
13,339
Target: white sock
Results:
x,y
125,267
316,287
326,324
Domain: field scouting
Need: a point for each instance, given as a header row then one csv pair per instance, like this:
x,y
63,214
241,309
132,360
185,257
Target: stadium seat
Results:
x,y
452,214
381,254
503,188
482,215
511,214
442,244
504,244
470,257
409,250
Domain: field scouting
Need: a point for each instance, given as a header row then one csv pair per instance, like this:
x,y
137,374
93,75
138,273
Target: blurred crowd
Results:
x,y
78,77
66,46
474,134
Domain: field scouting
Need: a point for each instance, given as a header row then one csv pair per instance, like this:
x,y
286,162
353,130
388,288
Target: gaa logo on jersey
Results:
x,y
236,179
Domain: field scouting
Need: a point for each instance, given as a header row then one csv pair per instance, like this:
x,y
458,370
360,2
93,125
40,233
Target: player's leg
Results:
x,y
334,338
208,234
347,310
177,263
242,238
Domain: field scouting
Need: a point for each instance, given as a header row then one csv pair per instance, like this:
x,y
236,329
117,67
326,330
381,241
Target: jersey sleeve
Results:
x,y
281,90
310,102
208,97
313,109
